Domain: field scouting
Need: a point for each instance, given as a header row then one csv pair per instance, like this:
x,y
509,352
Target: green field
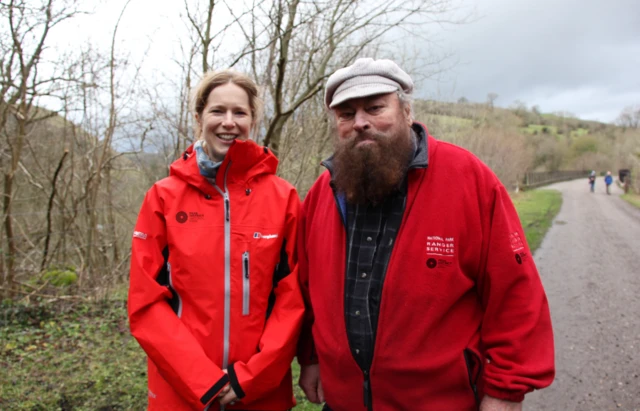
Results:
x,y
66,356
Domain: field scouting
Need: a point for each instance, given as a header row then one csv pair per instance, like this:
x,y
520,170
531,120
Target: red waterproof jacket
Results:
x,y
462,310
214,283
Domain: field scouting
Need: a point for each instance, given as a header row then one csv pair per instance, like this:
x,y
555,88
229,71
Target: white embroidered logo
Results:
x,y
444,246
265,236
151,394
140,235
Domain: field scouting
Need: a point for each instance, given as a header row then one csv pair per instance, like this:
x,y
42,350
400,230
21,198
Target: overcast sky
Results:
x,y
580,56
577,56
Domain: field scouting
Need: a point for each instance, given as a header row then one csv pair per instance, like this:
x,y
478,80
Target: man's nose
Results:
x,y
361,121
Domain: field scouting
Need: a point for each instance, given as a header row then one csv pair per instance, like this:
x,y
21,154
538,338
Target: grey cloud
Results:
x,y
564,55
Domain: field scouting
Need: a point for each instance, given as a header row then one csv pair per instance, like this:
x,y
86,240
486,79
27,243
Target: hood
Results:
x,y
244,161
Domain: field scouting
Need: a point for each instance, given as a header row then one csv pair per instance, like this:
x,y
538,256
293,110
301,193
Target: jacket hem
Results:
x,y
503,395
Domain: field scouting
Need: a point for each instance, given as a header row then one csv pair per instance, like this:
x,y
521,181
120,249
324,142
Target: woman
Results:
x,y
214,298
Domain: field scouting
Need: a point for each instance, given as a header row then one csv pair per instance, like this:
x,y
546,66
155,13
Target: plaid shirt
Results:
x,y
371,231
371,234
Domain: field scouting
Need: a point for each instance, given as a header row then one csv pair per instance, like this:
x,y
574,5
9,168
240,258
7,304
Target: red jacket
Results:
x,y
214,283
462,313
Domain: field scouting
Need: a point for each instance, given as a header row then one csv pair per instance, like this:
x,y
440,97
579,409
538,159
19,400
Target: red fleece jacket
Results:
x,y
462,308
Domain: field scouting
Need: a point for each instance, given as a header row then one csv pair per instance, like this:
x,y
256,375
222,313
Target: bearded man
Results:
x,y
421,291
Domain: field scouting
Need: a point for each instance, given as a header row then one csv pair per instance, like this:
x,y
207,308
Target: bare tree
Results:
x,y
629,118
302,43
28,25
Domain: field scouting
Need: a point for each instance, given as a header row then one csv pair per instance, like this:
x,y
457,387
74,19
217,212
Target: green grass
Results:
x,y
579,132
537,209
76,357
81,356
540,129
633,199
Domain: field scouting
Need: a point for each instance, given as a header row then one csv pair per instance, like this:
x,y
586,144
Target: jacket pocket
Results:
x,y
246,282
474,370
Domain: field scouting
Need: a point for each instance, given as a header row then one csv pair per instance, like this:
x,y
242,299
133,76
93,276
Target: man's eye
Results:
x,y
346,115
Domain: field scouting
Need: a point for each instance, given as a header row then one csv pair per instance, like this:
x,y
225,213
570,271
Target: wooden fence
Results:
x,y
541,178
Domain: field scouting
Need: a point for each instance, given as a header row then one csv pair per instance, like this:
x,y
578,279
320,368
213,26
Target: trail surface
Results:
x,y
589,262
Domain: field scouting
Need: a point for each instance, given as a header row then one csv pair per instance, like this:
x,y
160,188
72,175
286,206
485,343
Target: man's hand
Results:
x,y
494,404
310,383
227,395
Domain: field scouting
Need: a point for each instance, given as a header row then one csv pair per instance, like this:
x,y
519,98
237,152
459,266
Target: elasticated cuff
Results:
x,y
215,389
503,395
233,378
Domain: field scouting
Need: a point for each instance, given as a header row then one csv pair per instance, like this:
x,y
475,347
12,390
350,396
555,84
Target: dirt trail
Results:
x,y
590,266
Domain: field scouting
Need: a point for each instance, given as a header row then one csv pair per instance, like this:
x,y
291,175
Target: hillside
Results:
x,y
512,141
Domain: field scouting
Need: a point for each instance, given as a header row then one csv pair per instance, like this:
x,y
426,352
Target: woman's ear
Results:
x,y
198,119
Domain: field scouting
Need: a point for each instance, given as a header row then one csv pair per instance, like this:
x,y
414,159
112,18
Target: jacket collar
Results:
x,y
244,161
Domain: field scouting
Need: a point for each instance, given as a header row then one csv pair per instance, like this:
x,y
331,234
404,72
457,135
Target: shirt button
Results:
x,y
357,312
369,239
364,275
357,351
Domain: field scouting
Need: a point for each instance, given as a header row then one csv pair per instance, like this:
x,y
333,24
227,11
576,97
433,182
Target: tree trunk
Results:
x,y
8,227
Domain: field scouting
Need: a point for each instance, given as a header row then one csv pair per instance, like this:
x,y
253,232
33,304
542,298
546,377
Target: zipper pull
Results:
x,y
245,260
226,206
366,389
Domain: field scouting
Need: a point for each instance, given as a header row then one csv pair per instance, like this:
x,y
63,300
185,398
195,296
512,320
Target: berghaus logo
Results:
x,y
265,236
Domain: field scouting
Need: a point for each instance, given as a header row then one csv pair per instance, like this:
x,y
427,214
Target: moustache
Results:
x,y
365,136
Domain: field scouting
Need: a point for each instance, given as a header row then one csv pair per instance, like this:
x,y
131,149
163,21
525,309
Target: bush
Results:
x,y
61,277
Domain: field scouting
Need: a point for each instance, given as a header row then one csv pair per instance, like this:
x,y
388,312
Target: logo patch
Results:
x,y
442,246
181,217
516,242
442,262
194,216
140,235
265,236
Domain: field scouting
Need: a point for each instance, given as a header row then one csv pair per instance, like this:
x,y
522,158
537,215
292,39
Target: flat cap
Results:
x,y
366,77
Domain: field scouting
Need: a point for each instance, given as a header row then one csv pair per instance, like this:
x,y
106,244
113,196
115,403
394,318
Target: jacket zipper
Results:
x,y
246,283
367,395
227,268
366,391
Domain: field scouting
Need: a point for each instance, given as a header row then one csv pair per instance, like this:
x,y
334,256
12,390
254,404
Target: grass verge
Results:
x,y
537,209
633,199
82,357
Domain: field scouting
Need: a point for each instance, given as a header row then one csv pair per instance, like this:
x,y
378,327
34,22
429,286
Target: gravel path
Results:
x,y
590,266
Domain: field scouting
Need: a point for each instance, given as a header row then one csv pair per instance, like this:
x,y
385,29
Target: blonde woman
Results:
x,y
214,299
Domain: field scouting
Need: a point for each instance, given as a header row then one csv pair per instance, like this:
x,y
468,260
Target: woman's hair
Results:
x,y
213,79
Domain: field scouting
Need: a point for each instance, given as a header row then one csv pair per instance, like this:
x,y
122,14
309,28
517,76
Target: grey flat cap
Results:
x,y
366,77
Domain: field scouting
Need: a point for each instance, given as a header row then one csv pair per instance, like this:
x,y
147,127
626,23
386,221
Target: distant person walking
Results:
x,y
608,180
592,180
